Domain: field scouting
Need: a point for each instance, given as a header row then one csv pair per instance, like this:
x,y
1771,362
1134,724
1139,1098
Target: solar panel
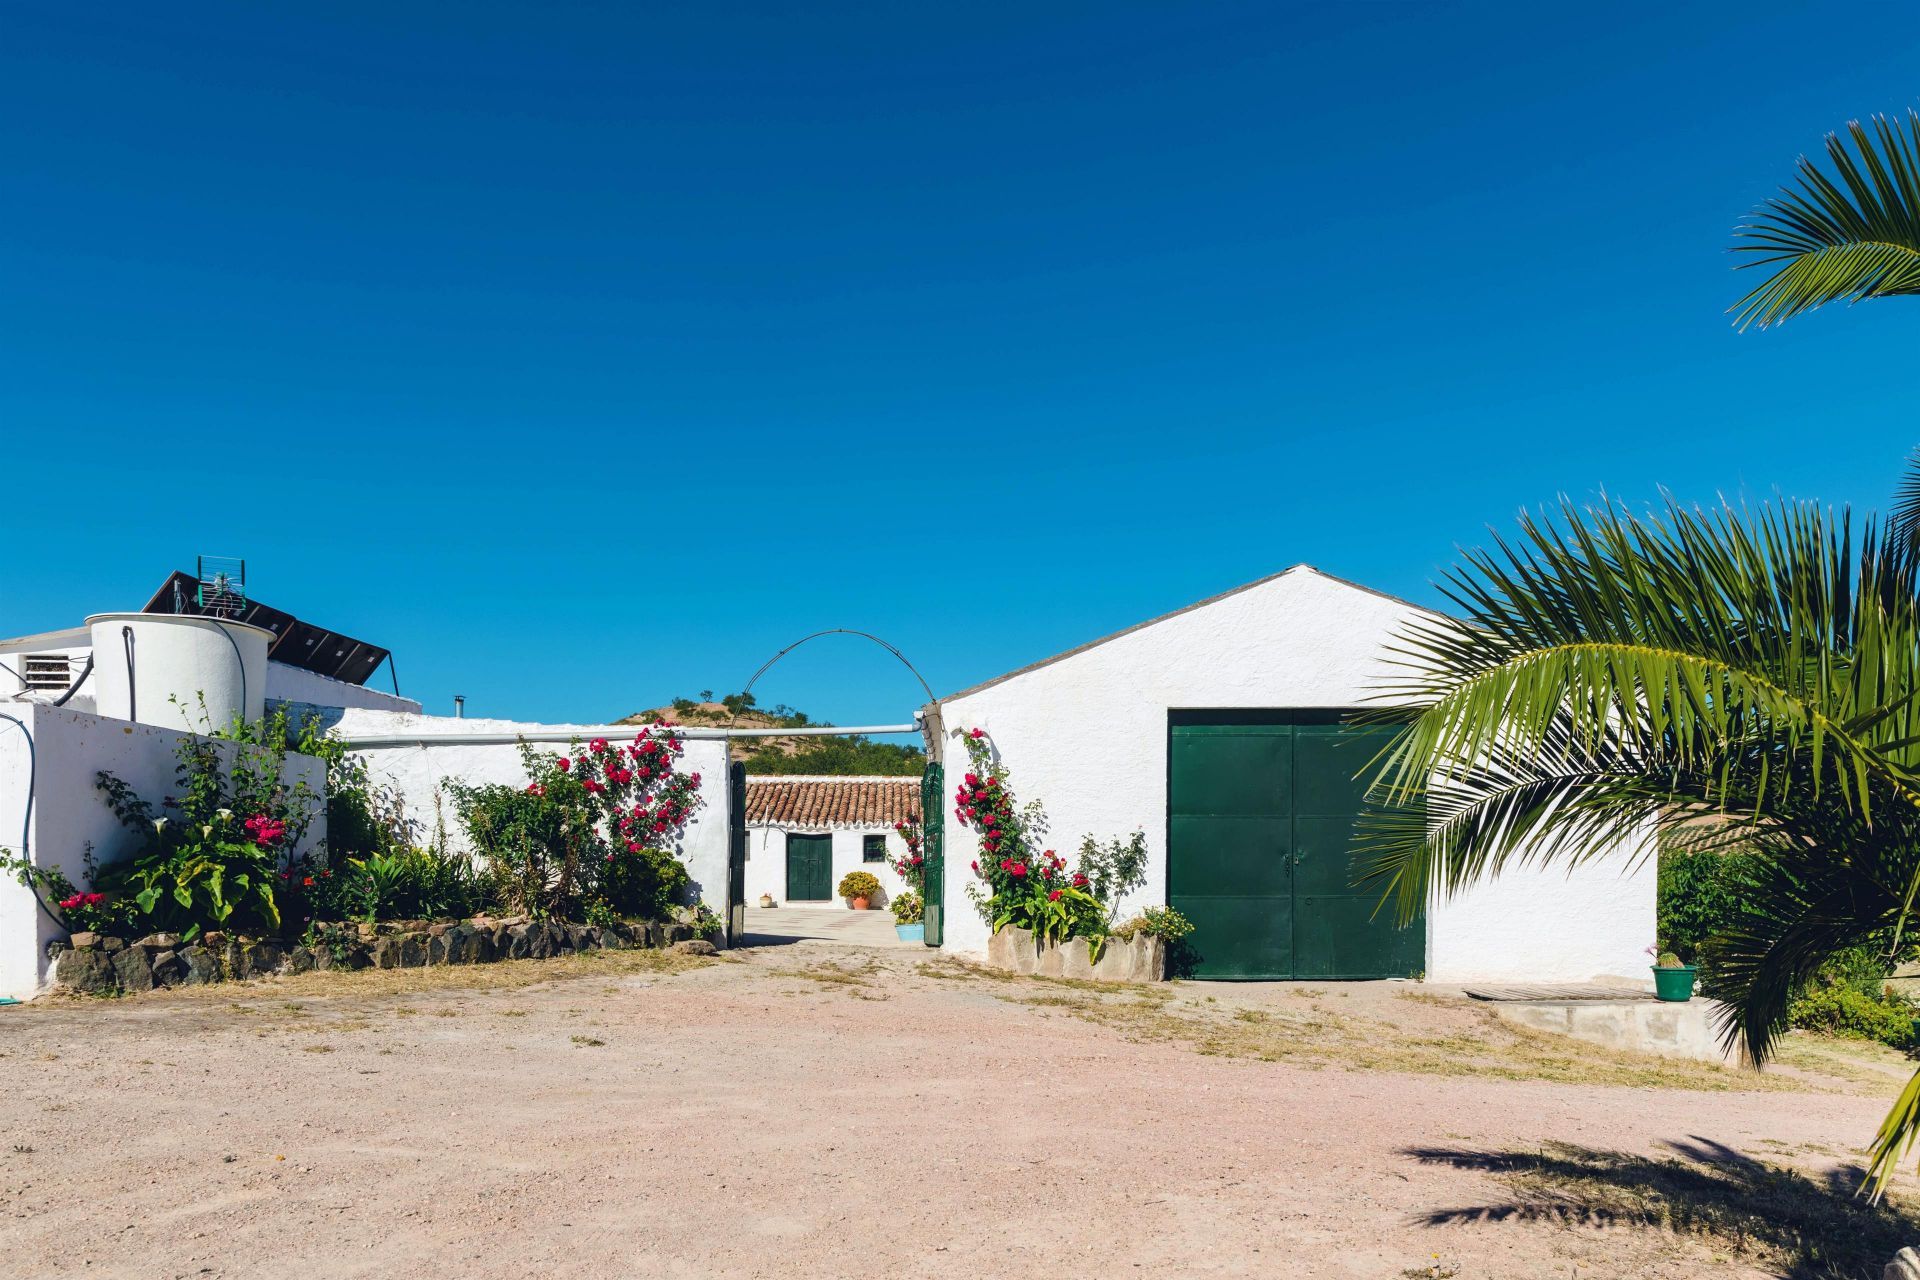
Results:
x,y
296,643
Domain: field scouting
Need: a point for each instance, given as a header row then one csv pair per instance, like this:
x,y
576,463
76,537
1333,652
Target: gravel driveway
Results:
x,y
818,1110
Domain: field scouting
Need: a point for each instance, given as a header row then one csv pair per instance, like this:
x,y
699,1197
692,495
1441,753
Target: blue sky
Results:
x,y
587,354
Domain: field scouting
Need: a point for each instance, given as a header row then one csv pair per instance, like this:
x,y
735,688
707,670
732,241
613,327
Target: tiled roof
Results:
x,y
820,803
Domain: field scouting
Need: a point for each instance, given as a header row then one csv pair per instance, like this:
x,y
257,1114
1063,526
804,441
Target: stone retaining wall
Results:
x,y
1141,958
93,964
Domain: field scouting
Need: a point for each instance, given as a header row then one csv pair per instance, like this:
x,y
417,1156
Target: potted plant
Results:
x,y
858,888
909,916
1671,979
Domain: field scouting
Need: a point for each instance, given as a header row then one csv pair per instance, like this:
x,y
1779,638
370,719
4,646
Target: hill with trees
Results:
x,y
850,753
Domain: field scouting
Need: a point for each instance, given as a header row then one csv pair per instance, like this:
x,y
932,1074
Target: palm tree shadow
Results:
x,y
1810,1227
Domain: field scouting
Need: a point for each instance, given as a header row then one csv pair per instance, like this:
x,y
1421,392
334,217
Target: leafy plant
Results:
x,y
907,908
1155,922
859,884
1668,960
911,865
211,855
1725,679
1113,869
1700,891
597,825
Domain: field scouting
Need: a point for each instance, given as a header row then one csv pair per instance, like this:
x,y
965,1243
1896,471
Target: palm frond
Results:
x,y
1849,237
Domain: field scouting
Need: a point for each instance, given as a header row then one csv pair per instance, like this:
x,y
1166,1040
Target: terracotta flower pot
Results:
x,y
858,904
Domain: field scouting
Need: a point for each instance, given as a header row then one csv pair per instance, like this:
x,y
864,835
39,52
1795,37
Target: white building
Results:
x,y
805,833
1218,731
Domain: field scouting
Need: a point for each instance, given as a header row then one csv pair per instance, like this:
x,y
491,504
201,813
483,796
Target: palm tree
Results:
x,y
1857,237
1707,676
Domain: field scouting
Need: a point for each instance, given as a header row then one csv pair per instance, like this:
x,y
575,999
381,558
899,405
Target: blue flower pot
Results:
x,y
911,932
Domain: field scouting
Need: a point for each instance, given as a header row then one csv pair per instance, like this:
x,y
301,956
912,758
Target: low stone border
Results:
x,y
92,964
1141,958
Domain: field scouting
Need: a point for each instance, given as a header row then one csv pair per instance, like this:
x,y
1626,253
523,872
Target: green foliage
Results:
x,y
836,754
1668,960
1739,680
1849,997
1700,891
907,908
1845,240
213,855
411,884
859,884
594,826
1155,922
1113,869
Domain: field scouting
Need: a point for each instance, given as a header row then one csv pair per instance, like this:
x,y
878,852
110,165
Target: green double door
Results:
x,y
809,868
1261,810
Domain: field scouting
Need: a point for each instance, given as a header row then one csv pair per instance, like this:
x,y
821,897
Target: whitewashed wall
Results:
x,y
417,771
294,685
1087,736
767,860
69,812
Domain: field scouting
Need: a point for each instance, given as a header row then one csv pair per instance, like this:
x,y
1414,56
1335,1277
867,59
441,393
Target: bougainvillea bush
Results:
x,y
911,865
1018,884
592,833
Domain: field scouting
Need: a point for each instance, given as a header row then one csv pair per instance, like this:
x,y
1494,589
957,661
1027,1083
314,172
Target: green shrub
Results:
x,y
859,884
907,908
1698,893
1849,996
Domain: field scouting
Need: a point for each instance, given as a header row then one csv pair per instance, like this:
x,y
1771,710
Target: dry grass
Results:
x,y
1307,1032
505,975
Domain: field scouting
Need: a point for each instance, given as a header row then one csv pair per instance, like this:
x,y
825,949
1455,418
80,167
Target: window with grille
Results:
x,y
873,848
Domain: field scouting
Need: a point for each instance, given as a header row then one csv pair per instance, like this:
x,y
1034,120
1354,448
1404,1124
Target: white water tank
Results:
x,y
163,668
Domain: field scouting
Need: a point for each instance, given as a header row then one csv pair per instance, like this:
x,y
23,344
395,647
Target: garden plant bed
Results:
x,y
1141,958
90,964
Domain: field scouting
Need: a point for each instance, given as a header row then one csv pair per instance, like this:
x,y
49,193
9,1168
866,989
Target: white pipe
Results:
x,y
606,731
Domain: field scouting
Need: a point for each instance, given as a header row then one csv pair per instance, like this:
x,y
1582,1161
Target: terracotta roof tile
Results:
x,y
832,802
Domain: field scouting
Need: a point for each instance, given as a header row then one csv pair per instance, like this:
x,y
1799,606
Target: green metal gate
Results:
x,y
933,825
736,852
1260,816
809,868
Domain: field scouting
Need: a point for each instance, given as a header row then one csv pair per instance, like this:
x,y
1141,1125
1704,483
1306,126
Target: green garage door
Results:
x,y
1260,813
809,868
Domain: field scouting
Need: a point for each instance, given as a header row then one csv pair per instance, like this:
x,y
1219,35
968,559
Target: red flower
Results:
x,y
591,785
977,734
597,745
1017,869
307,883
564,764
535,789
694,779
1054,896
976,866
1079,880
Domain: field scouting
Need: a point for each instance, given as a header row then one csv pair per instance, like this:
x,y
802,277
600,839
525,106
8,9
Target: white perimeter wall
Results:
x,y
70,812
1087,736
417,772
767,860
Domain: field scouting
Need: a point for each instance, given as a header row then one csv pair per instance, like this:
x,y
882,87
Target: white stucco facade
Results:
x,y
429,754
1086,734
767,859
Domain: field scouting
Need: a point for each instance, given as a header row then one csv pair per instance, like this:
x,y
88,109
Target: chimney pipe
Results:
x,y
459,707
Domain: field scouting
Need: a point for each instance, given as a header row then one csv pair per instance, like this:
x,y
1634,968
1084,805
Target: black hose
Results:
x,y
74,688
126,642
26,827
241,662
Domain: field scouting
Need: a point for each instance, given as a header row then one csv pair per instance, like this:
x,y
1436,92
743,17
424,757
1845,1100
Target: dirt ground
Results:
x,y
815,1110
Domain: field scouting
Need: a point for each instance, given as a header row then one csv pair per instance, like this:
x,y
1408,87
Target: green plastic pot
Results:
x,y
1674,983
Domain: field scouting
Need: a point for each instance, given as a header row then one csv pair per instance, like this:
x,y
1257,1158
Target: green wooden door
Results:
x,y
809,868
1261,808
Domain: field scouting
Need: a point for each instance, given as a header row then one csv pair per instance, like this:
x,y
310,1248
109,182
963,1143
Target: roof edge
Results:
x,y
1077,650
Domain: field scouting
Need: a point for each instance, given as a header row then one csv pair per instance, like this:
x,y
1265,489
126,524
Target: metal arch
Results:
x,y
831,631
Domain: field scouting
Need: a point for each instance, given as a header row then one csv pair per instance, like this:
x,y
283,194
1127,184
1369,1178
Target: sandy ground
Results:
x,y
814,1110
